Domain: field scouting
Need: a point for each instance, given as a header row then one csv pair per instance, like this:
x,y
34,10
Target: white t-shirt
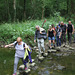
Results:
x,y
19,50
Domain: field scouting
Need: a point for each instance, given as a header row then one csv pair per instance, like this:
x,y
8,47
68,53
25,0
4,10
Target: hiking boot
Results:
x,y
25,68
14,74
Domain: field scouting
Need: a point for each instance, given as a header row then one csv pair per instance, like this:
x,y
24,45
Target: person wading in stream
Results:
x,y
51,36
70,30
40,39
19,53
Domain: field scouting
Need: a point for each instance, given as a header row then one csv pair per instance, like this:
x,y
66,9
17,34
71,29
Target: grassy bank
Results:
x,y
10,31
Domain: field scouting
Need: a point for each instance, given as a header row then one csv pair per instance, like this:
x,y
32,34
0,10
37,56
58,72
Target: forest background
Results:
x,y
19,17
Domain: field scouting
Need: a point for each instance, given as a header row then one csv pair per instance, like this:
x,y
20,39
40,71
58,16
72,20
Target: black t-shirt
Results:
x,y
50,33
70,28
63,27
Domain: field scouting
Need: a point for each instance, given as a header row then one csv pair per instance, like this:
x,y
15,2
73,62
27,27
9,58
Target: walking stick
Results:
x,y
43,23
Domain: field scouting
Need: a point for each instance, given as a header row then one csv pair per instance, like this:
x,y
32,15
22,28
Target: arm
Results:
x,y
54,32
47,33
73,29
35,36
26,46
60,33
66,30
9,45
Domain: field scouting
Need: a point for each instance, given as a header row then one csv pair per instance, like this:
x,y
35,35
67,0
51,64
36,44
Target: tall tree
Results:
x,y
14,6
24,9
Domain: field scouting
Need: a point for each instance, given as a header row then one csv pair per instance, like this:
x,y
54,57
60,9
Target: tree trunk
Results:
x,y
24,9
72,6
42,12
33,8
14,6
67,6
9,16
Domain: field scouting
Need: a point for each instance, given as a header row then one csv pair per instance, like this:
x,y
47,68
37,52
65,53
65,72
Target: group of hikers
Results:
x,y
59,32
23,51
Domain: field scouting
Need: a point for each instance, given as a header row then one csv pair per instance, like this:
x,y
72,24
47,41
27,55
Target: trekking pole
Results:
x,y
43,23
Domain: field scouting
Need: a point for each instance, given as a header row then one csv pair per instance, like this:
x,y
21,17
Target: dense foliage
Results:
x,y
21,10
10,31
19,17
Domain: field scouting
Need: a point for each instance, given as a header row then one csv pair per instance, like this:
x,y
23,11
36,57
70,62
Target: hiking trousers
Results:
x,y
74,37
63,38
41,44
16,60
58,40
69,37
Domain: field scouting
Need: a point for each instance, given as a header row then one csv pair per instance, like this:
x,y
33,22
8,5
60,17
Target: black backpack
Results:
x,y
44,35
17,43
23,46
63,27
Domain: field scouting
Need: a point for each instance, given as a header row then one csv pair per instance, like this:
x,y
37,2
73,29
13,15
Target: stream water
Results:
x,y
54,64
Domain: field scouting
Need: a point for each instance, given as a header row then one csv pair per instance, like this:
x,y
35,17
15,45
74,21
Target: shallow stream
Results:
x,y
54,64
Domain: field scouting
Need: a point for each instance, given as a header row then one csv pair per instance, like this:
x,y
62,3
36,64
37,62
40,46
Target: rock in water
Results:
x,y
41,58
32,64
59,67
32,60
63,45
27,71
71,48
52,50
49,51
58,48
67,46
37,49
45,54
21,67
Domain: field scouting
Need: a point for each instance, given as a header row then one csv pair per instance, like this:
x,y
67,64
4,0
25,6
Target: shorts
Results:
x,y
51,38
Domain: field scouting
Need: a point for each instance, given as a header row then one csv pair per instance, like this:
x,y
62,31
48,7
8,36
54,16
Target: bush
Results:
x,y
9,32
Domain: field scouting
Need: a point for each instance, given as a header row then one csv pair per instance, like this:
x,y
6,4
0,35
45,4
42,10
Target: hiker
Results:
x,y
53,28
64,32
74,35
19,54
58,35
59,24
70,31
40,39
51,36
